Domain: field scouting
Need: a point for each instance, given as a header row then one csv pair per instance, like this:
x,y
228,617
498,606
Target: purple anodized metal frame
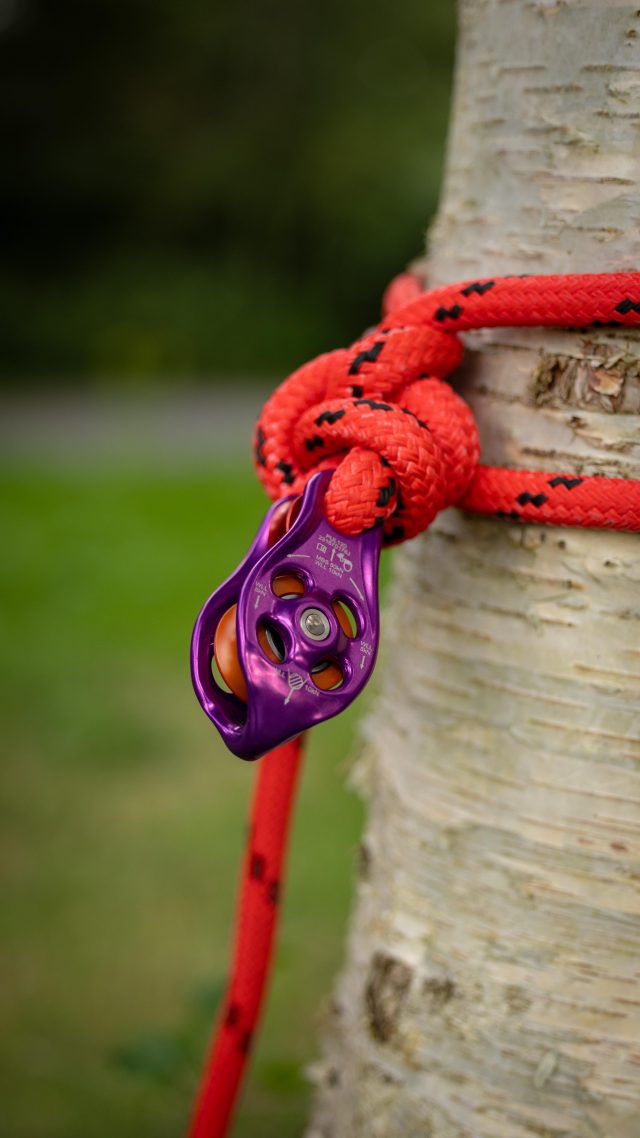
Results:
x,y
283,699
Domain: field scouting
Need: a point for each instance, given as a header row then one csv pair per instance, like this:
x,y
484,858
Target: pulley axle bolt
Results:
x,y
315,624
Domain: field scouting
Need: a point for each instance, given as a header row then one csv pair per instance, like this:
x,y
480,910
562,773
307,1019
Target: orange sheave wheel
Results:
x,y
288,585
225,650
327,676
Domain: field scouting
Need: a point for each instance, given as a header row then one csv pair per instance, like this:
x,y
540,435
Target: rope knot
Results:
x,y
401,443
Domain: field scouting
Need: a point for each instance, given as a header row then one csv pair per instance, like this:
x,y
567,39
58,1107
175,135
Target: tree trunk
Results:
x,y
491,982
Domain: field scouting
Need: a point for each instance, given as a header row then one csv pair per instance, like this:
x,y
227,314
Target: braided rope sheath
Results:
x,y
402,444
256,922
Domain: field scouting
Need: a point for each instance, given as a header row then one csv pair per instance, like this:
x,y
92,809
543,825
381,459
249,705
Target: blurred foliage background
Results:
x,y
193,195
203,188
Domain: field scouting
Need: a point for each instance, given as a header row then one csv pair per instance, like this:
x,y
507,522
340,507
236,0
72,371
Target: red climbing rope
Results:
x,y
403,446
255,928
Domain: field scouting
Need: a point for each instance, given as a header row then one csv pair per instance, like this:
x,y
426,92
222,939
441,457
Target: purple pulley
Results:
x,y
306,628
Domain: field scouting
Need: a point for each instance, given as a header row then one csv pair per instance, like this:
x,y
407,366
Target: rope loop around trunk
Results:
x,y
403,445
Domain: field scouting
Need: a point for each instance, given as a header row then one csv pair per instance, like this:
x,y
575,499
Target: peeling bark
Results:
x,y
491,987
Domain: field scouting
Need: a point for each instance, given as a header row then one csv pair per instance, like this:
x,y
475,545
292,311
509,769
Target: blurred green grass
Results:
x,y
123,818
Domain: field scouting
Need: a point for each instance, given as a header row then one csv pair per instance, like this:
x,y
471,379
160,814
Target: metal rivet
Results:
x,y
315,624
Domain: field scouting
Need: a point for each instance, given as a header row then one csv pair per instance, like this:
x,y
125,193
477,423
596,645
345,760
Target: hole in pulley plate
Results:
x,y
287,585
327,675
346,617
271,641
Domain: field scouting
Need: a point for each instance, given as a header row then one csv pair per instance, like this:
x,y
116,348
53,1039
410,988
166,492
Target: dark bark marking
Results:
x,y
385,994
364,861
438,992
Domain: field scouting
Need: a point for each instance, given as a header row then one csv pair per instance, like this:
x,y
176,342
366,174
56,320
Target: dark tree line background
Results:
x,y
200,188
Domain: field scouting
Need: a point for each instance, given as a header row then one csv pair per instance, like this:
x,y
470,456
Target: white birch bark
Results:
x,y
492,981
